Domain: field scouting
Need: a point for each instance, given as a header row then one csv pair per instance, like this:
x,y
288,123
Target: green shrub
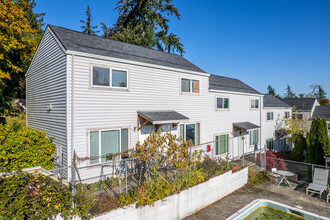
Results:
x,y
23,147
24,196
256,177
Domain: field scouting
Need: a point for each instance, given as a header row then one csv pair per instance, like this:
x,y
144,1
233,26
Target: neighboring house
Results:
x,y
236,116
99,96
275,111
323,112
302,108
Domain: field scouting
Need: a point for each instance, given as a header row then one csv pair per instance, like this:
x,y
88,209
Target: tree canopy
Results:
x,y
20,32
289,93
145,23
318,143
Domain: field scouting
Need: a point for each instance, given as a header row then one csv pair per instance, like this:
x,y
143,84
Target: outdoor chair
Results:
x,y
320,182
272,174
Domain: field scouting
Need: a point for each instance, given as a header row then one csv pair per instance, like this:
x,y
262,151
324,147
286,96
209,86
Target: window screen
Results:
x,y
109,143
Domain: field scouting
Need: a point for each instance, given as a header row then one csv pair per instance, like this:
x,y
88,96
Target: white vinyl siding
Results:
x,y
46,85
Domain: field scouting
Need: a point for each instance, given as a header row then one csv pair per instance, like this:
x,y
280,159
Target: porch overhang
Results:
x,y
242,127
160,117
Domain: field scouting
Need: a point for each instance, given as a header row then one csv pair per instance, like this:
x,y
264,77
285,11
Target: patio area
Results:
x,y
294,197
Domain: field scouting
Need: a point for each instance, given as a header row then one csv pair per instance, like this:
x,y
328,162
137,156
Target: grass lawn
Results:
x,y
10,120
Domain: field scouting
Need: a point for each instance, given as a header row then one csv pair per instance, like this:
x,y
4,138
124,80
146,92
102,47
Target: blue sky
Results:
x,y
261,42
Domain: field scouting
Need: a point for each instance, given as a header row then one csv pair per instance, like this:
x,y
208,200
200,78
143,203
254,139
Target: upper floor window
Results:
x,y
108,77
189,85
103,142
222,103
270,116
254,103
190,132
297,116
287,115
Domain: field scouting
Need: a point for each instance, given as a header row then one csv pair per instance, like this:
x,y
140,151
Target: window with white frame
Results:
x,y
222,103
270,116
107,141
254,137
189,85
287,115
109,77
297,116
190,132
254,103
221,144
270,144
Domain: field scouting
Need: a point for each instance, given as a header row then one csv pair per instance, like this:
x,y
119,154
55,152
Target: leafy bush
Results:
x,y
299,151
23,147
256,177
24,196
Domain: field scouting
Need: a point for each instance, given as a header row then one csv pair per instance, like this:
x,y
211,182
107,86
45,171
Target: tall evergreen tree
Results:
x,y
289,94
271,90
106,31
88,28
144,23
318,143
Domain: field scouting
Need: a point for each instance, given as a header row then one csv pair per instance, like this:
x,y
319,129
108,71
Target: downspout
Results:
x,y
261,108
72,109
72,132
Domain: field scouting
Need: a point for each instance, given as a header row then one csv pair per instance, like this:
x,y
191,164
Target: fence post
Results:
x,y
126,176
189,164
73,177
312,172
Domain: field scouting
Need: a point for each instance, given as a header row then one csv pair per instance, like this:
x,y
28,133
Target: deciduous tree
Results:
x,y
17,45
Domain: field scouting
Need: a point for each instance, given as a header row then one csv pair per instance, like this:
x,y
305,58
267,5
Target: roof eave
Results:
x,y
236,93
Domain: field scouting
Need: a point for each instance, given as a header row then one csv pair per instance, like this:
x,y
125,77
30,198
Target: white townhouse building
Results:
x,y
303,108
323,112
275,111
97,96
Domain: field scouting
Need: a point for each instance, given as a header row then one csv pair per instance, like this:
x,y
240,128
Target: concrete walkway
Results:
x,y
225,207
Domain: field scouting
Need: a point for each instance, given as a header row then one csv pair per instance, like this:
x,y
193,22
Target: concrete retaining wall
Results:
x,y
184,203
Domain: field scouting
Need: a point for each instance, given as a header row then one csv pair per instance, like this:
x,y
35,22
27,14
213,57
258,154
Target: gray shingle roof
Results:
x,y
322,112
230,84
159,117
271,101
301,104
81,42
246,125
